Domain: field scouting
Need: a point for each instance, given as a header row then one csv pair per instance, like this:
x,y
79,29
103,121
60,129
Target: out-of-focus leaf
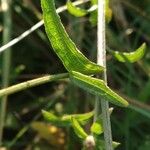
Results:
x,y
131,56
108,13
78,129
100,144
66,119
63,46
52,134
76,11
97,128
97,87
81,118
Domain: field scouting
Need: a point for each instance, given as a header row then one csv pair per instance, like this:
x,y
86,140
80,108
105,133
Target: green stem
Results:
x,y
32,83
6,7
101,60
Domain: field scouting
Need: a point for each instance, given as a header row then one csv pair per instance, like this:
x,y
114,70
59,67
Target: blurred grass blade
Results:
x,y
97,87
131,56
142,111
18,136
78,129
6,59
76,11
66,119
66,50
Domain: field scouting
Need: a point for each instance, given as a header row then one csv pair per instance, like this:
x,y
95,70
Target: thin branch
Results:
x,y
32,83
101,60
35,27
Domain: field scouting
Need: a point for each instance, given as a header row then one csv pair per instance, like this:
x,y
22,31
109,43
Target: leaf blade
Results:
x,y
63,46
97,87
130,57
78,129
66,119
76,11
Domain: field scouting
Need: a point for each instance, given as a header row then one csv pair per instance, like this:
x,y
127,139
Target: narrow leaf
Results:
x,y
63,46
76,11
97,87
83,118
78,129
66,119
131,56
50,117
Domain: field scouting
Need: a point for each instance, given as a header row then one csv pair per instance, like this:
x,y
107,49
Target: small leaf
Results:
x,y
50,117
76,11
79,12
78,129
63,46
66,119
131,56
97,128
83,118
108,13
93,18
97,87
115,144
100,144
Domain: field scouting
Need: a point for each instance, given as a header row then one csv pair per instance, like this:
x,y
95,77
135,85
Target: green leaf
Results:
x,y
97,87
76,11
100,144
63,46
131,56
93,18
97,128
79,12
50,117
66,119
83,118
94,2
108,13
78,129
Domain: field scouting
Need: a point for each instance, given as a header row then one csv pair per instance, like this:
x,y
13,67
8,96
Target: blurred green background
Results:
x,y
24,127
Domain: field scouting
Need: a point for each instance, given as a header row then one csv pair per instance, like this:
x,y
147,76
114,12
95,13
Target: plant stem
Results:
x,y
101,60
32,83
7,23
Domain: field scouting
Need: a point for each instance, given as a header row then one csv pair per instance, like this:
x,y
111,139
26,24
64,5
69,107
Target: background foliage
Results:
x,y
33,57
